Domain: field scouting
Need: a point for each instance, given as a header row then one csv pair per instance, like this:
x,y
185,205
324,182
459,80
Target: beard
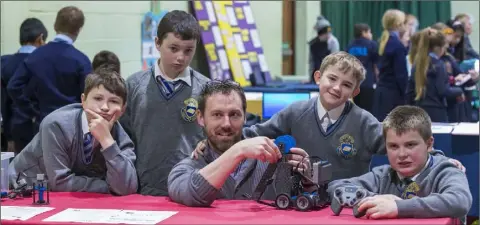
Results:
x,y
221,144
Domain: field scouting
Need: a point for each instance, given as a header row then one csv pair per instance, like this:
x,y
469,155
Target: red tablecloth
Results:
x,y
221,212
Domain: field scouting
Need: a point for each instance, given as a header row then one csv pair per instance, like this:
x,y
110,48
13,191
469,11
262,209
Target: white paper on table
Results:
x,y
471,129
22,212
113,216
442,128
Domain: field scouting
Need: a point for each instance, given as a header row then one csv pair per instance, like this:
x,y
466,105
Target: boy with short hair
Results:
x,y
82,147
415,184
162,105
366,51
106,58
18,127
54,75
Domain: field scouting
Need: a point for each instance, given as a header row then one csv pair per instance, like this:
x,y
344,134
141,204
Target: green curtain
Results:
x,y
344,14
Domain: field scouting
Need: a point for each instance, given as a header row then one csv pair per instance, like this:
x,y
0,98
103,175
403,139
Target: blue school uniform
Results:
x,y
457,111
393,77
367,52
437,90
53,75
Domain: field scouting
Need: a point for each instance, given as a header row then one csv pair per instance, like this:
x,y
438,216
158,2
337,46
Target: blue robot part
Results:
x,y
285,143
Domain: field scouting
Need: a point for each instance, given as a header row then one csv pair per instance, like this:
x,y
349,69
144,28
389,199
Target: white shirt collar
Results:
x,y
334,114
64,38
85,128
184,75
416,175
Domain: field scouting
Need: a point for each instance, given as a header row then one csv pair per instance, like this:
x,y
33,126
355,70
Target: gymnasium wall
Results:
x,y
115,26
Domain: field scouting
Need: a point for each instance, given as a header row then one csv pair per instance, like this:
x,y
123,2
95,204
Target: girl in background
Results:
x,y
393,76
429,86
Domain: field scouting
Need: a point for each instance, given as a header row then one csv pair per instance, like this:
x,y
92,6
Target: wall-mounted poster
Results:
x,y
149,32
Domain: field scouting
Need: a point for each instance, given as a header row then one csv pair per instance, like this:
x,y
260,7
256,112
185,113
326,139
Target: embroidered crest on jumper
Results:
x,y
411,191
189,111
346,148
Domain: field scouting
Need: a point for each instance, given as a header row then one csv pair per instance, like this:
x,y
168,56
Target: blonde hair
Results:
x,y
429,39
392,19
414,46
406,118
346,63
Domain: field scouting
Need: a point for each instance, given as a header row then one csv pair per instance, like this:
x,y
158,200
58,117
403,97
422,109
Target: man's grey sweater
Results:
x,y
443,189
57,152
162,137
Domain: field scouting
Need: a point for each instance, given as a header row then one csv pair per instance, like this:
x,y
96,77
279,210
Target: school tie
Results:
x,y
327,122
88,147
169,87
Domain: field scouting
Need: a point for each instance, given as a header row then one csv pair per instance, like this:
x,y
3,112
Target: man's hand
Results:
x,y
201,146
458,164
261,148
299,159
101,128
379,206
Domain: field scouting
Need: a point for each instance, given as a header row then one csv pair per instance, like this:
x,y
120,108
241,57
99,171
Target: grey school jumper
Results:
x,y
57,152
348,145
443,189
162,137
188,187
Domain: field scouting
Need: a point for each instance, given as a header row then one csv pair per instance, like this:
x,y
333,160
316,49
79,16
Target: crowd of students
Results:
x,y
427,68
90,130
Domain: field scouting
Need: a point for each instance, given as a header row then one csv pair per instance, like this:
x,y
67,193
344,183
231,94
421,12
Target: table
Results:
x,y
221,212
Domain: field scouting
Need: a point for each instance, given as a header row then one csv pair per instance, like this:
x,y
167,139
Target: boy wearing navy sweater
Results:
x,y
82,147
53,75
18,127
366,51
415,184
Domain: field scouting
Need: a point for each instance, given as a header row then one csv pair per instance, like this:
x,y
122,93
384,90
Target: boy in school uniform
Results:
x,y
162,104
331,127
106,58
415,184
53,75
366,51
82,147
18,127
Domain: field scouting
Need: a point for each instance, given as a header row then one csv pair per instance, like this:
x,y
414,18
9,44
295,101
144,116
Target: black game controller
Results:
x,y
348,196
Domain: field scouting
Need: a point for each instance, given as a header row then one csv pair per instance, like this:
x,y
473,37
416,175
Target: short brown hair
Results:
x,y
69,20
180,23
106,58
406,118
110,80
346,63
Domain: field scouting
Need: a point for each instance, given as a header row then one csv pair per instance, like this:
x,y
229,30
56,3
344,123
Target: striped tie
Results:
x,y
169,87
88,148
328,121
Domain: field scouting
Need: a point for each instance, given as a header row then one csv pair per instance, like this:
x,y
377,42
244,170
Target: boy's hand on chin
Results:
x,y
379,206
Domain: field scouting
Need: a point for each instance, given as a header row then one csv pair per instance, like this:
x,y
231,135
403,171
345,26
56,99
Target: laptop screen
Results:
x,y
274,102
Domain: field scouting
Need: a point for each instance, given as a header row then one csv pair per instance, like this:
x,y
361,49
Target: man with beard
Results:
x,y
233,163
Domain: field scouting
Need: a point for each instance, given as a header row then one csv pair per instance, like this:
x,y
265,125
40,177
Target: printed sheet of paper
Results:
x,y
22,212
113,216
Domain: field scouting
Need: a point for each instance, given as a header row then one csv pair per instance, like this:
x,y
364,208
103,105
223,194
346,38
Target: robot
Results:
x,y
302,193
41,186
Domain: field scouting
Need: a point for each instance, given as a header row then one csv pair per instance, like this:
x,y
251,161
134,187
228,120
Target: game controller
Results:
x,y
348,196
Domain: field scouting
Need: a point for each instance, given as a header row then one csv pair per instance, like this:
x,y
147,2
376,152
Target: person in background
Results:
x,y
106,58
429,86
162,104
393,76
411,24
54,74
18,126
82,147
466,21
415,184
322,45
366,51
412,52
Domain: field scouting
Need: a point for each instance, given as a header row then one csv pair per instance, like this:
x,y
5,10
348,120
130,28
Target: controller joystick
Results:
x,y
348,196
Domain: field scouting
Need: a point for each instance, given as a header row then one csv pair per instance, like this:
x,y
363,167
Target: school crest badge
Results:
x,y
411,191
189,111
346,148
